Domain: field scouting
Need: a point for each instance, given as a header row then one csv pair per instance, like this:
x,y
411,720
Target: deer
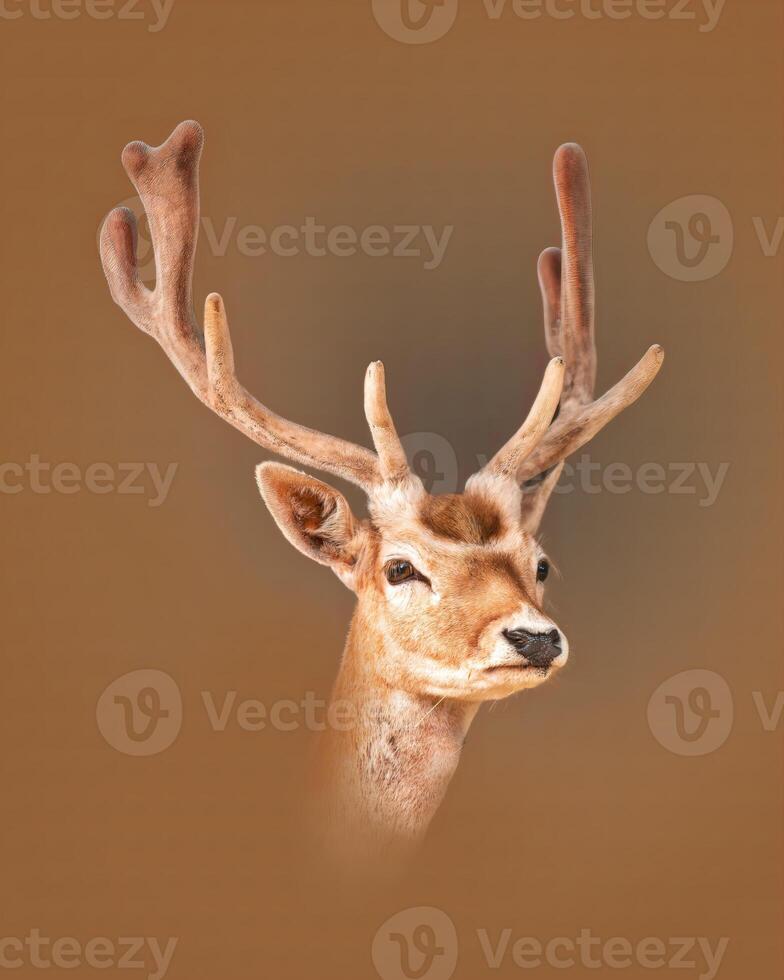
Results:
x,y
450,609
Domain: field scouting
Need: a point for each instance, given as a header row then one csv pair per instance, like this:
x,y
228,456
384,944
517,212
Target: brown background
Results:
x,y
566,813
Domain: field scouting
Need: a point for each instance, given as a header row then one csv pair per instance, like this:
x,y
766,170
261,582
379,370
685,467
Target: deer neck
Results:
x,y
388,755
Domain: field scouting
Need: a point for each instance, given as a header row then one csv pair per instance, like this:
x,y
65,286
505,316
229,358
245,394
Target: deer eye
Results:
x,y
542,570
399,571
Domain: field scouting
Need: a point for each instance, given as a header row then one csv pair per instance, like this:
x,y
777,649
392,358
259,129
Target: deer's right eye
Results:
x,y
399,571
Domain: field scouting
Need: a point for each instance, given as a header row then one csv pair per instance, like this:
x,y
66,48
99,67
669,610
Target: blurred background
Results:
x,y
593,803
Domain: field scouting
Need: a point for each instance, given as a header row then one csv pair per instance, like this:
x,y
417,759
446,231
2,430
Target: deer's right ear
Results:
x,y
314,517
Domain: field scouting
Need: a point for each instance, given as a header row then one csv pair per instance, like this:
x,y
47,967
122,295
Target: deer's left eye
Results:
x,y
399,571
542,570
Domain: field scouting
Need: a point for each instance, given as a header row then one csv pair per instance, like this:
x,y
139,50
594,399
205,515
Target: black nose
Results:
x,y
539,649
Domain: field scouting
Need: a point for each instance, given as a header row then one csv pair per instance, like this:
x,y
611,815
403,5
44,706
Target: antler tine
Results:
x,y
573,429
391,455
229,399
566,282
549,269
167,180
573,190
507,460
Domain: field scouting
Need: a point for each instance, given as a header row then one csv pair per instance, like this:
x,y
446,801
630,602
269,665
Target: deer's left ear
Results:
x,y
536,496
314,517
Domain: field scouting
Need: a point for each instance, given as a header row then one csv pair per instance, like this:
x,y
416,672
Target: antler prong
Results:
x,y
549,271
167,180
119,238
219,350
573,430
391,455
566,282
573,191
507,460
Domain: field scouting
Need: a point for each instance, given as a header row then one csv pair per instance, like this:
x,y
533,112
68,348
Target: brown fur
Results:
x,y
466,518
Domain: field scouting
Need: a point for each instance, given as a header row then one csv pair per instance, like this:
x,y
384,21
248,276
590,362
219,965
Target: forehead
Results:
x,y
463,518
480,517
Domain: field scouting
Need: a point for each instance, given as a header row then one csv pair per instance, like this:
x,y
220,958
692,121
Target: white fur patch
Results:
x,y
397,498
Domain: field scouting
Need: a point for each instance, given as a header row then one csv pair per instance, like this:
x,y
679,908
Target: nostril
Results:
x,y
518,638
521,637
539,649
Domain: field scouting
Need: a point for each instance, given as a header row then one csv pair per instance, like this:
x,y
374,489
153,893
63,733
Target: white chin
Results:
x,y
504,681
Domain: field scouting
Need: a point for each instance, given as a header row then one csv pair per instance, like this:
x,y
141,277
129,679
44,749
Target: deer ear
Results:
x,y
314,517
536,496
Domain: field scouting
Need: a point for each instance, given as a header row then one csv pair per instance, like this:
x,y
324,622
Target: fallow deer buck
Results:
x,y
450,588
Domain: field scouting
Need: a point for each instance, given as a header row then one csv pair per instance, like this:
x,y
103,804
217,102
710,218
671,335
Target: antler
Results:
x,y
566,281
167,180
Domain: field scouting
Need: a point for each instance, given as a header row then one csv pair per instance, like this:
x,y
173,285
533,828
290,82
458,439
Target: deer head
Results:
x,y
454,584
